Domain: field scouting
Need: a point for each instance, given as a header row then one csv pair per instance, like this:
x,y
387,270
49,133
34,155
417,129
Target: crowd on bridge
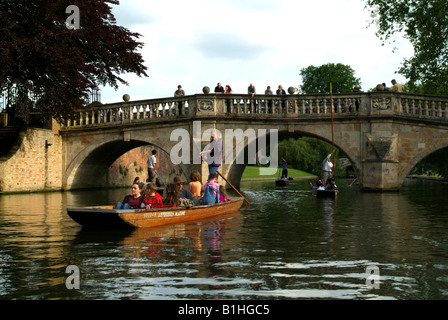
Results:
x,y
251,91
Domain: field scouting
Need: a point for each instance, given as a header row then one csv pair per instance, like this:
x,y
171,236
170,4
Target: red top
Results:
x,y
134,202
155,201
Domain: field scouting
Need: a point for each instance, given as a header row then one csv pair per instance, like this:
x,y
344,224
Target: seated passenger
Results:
x,y
319,185
183,193
223,194
154,199
195,184
133,200
211,193
172,196
331,185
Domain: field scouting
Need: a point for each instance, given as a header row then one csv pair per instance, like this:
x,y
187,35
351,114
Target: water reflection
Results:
x,y
285,245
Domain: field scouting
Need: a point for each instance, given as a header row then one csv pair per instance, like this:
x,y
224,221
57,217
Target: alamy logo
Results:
x,y
73,21
226,147
72,281
373,277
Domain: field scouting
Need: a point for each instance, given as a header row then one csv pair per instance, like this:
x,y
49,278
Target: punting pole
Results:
x,y
229,184
233,187
332,128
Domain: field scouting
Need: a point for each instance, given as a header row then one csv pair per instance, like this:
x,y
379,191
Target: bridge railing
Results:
x,y
421,106
263,106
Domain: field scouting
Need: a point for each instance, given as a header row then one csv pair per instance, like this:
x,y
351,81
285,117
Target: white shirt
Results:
x,y
151,161
327,165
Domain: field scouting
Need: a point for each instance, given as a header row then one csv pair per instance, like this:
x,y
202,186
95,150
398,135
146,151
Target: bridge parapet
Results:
x,y
263,106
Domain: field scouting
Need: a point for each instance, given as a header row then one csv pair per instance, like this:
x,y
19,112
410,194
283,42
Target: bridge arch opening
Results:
x,y
92,170
235,171
430,162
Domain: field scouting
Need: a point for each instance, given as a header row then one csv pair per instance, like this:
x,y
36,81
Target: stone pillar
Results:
x,y
380,165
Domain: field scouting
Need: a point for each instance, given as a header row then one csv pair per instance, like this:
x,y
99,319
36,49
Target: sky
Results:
x,y
199,43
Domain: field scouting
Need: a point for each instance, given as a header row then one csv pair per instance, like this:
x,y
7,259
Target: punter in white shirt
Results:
x,y
327,168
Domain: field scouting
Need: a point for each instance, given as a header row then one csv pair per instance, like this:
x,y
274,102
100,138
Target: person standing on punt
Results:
x,y
215,152
327,168
152,167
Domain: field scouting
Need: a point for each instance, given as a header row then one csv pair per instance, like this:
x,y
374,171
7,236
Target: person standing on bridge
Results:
x,y
281,91
251,91
268,91
219,89
152,167
327,169
397,87
228,101
179,93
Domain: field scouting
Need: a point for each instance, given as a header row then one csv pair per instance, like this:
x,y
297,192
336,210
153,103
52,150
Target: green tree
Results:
x,y
435,162
318,79
306,153
425,24
41,57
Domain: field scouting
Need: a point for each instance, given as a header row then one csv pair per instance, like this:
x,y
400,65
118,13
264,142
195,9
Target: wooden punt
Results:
x,y
106,217
325,193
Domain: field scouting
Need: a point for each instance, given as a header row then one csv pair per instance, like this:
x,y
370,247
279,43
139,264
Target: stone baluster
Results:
x,y
147,111
406,107
445,110
182,107
165,110
294,106
303,107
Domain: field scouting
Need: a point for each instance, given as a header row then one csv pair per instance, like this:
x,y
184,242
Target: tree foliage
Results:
x,y
41,58
306,153
425,24
318,79
435,162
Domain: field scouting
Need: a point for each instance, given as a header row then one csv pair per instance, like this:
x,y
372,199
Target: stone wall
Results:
x,y
36,165
134,164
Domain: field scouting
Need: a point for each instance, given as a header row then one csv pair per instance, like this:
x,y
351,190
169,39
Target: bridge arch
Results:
x,y
422,155
89,168
382,136
234,171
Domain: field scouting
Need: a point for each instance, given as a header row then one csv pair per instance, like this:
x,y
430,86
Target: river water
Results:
x,y
285,245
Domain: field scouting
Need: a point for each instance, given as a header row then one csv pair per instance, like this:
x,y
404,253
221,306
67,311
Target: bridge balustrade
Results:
x,y
264,106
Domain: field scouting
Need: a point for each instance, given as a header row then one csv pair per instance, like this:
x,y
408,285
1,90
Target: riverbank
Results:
x,y
270,178
253,173
439,179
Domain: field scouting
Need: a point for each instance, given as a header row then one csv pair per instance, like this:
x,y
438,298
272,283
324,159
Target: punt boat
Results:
x,y
100,217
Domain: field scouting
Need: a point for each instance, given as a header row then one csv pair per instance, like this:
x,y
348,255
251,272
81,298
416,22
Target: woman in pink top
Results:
x,y
223,194
211,194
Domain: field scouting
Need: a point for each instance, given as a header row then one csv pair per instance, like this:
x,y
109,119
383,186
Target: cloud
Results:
x,y
218,44
202,42
129,14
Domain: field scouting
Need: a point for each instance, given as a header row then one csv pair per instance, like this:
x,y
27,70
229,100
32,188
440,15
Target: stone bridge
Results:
x,y
384,134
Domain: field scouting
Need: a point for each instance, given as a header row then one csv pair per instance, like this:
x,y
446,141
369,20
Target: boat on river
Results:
x,y
107,217
325,193
281,183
